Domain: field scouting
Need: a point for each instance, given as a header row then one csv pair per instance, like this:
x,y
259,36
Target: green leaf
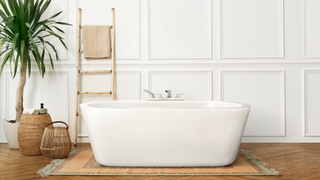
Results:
x,y
15,39
6,19
4,62
59,29
54,49
63,44
37,60
37,57
4,6
16,64
43,68
63,23
22,20
46,27
47,22
51,60
32,9
55,15
38,32
28,61
37,13
6,50
22,51
13,7
45,6
28,25
4,40
56,35
42,41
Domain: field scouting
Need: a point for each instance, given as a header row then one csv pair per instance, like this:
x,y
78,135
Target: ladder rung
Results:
x,y
96,71
79,114
102,92
82,26
81,50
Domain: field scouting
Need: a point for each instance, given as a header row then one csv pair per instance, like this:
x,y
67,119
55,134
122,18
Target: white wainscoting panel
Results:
x,y
53,91
127,87
194,85
311,103
98,12
251,29
179,29
311,28
265,92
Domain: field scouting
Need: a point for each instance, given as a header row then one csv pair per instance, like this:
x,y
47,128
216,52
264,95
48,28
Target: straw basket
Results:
x,y
56,142
30,132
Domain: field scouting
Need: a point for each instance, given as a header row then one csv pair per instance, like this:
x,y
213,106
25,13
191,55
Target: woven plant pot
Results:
x,y
56,142
30,132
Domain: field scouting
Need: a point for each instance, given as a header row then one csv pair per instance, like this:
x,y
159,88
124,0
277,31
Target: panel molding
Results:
x,y
66,89
283,98
254,56
136,57
151,57
305,103
304,22
138,76
208,73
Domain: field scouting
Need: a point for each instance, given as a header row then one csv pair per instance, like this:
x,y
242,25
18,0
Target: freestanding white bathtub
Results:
x,y
182,134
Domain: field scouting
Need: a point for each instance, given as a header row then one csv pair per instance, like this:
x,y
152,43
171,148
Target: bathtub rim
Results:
x,y
87,105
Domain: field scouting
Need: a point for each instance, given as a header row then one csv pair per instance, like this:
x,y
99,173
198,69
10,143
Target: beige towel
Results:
x,y
96,41
31,111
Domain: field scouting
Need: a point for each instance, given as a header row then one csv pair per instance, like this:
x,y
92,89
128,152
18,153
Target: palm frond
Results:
x,y
24,34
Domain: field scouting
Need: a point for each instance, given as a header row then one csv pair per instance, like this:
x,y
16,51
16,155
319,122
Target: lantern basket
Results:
x,y
56,142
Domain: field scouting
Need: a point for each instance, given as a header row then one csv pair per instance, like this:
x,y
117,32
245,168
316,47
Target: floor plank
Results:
x,y
294,161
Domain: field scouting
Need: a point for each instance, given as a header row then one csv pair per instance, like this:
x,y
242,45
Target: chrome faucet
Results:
x,y
168,91
152,95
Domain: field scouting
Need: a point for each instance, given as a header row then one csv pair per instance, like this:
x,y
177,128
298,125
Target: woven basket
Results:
x,y
56,142
30,131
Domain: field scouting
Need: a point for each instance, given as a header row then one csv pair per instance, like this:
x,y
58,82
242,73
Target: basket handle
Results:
x,y
58,122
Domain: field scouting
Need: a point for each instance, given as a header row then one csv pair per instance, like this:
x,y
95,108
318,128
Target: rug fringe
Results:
x,y
264,164
43,171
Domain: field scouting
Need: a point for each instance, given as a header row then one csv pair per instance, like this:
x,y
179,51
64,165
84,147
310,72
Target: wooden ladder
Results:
x,y
92,71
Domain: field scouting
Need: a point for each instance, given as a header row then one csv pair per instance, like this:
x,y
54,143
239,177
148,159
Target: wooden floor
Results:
x,y
294,161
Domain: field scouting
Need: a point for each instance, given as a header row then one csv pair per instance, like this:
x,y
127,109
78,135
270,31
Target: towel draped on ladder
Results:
x,y
96,41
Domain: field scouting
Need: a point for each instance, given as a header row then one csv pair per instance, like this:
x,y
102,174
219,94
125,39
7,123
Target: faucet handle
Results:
x,y
168,91
177,96
160,95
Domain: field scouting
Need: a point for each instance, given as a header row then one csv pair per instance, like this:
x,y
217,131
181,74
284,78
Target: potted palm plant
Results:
x,y
24,37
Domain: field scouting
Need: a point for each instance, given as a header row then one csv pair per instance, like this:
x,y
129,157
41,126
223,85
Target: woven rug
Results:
x,y
82,162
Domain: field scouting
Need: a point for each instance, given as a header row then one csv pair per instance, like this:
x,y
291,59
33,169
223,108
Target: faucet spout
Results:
x,y
152,95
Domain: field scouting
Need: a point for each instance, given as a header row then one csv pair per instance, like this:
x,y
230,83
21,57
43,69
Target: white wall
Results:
x,y
262,52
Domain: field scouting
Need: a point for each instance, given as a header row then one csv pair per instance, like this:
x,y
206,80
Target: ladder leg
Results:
x,y
77,81
113,51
